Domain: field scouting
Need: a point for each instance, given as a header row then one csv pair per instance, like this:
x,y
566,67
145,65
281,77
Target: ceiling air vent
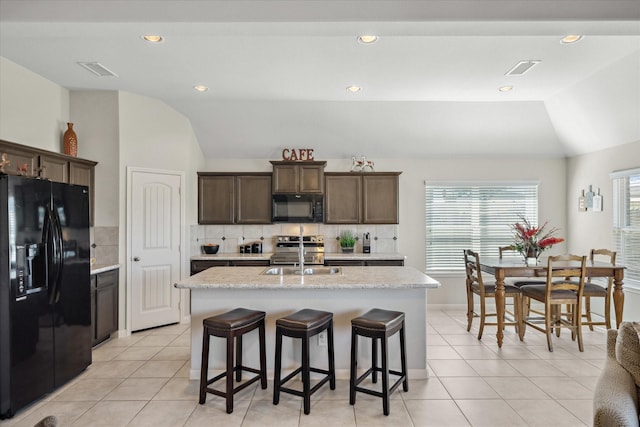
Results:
x,y
522,67
98,69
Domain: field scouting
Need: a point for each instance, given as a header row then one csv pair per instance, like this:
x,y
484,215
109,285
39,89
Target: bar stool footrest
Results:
x,y
323,381
236,389
395,385
235,369
291,375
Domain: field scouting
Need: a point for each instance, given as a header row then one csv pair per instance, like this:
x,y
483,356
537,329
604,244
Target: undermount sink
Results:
x,y
307,271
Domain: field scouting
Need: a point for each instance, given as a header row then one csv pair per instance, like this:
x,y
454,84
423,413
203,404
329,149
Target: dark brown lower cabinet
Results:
x,y
104,305
250,263
343,263
364,263
198,266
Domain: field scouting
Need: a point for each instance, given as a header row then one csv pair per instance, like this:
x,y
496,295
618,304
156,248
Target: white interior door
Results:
x,y
155,248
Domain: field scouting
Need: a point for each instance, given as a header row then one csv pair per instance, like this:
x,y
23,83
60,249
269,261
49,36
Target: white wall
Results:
x,y
154,136
95,114
590,229
33,110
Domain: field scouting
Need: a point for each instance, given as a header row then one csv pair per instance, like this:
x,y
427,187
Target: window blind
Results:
x,y
626,223
472,216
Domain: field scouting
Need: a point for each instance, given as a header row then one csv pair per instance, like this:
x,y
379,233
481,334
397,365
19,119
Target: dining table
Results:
x,y
502,268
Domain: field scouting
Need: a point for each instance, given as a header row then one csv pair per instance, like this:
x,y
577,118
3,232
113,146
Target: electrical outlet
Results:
x,y
322,339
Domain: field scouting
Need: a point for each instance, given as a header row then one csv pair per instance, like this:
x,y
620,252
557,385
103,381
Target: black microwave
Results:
x,y
298,208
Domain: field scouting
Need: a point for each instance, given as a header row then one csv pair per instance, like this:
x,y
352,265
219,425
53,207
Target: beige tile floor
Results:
x,y
143,380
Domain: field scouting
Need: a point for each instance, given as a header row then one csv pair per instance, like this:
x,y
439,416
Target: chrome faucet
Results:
x,y
301,250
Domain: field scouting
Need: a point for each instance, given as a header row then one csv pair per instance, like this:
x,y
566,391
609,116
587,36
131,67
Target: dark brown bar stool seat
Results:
x,y
230,325
304,324
378,324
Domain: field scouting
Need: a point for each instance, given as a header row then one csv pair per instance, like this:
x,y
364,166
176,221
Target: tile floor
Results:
x,y
143,380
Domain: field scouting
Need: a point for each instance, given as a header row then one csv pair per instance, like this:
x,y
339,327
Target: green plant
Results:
x,y
347,239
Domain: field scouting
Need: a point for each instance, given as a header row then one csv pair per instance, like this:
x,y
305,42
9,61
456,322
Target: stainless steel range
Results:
x,y
287,249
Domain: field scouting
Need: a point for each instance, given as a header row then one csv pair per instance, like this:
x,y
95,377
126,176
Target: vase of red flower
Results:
x,y
531,241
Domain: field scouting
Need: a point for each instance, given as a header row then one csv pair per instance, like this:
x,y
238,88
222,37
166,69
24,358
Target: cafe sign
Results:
x,y
298,154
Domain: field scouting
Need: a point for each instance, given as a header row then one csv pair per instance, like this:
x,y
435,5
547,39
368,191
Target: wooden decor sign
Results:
x,y
298,154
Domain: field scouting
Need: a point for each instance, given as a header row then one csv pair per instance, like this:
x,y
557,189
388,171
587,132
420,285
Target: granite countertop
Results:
x,y
327,256
349,278
101,268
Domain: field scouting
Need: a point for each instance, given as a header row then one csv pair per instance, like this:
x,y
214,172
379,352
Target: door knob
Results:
x,y
136,258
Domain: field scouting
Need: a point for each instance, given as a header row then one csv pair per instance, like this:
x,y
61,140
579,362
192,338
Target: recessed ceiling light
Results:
x,y
367,39
505,88
571,38
152,38
353,89
201,88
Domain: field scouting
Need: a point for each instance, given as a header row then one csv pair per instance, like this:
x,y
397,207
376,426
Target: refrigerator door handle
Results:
x,y
58,255
53,258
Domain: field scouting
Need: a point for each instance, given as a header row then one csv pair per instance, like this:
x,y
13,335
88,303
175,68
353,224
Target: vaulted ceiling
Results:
x,y
277,71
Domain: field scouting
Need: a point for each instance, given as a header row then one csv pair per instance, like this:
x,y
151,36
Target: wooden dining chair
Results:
x,y
564,286
594,289
503,249
475,286
520,281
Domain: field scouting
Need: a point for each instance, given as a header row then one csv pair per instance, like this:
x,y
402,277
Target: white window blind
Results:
x,y
472,216
626,223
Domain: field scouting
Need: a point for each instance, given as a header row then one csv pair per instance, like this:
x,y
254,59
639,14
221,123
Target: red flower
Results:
x,y
531,233
550,241
533,240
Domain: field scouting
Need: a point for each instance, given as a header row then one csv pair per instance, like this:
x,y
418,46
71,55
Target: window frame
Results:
x,y
451,262
626,235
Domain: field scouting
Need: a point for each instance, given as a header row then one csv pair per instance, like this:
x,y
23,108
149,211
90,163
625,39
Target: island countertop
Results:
x,y
348,278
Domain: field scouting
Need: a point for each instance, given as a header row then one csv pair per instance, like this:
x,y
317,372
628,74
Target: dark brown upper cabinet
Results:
x,y
233,198
298,177
253,199
343,198
53,166
361,198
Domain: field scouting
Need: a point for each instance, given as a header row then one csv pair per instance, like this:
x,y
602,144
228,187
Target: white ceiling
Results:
x,y
277,71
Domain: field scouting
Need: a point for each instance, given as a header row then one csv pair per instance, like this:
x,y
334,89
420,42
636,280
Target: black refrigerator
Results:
x,y
45,305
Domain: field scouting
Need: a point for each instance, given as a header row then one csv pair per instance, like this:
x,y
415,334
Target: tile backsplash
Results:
x,y
104,247
384,237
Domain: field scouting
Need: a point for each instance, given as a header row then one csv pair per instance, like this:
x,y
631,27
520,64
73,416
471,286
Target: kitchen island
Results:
x,y
347,294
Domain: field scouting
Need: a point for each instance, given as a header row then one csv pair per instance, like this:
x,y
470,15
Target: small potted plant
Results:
x,y
347,240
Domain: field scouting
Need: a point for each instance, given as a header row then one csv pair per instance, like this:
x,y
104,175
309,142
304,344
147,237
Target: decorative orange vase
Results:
x,y
70,140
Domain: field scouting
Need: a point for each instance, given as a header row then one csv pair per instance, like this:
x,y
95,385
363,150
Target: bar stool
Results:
x,y
230,325
378,324
304,324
